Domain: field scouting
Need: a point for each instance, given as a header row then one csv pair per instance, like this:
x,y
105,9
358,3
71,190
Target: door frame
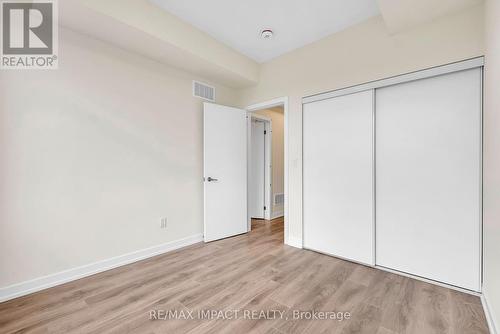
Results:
x,y
276,102
268,156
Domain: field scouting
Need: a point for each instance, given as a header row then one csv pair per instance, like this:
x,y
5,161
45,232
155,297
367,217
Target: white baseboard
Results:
x,y
294,242
277,214
488,314
41,283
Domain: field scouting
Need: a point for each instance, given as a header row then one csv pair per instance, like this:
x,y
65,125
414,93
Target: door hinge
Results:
x,y
265,208
265,132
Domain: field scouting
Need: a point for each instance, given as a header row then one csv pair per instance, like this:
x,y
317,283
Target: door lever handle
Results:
x,y
211,179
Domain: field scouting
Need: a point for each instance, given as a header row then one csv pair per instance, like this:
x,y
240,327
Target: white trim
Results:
x,y
249,138
374,184
260,117
427,73
294,242
268,127
426,280
481,179
269,104
278,214
44,282
488,314
268,179
366,264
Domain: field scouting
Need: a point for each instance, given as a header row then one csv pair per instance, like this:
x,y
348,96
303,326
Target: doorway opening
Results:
x,y
260,167
267,177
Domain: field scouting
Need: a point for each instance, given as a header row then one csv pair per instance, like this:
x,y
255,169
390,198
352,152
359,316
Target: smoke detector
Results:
x,y
266,34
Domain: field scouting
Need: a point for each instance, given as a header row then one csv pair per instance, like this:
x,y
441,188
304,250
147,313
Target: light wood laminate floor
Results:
x,y
249,272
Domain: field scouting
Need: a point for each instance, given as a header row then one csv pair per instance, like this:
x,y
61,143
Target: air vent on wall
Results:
x,y
203,91
279,199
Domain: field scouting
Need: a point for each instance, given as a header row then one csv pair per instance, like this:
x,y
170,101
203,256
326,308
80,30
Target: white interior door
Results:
x,y
257,170
338,176
428,172
225,171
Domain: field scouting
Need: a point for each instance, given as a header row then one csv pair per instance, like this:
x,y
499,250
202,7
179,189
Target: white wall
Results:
x,y
356,55
92,155
492,160
278,156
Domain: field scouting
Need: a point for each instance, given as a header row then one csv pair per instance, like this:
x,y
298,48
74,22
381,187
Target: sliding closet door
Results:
x,y
338,176
428,153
